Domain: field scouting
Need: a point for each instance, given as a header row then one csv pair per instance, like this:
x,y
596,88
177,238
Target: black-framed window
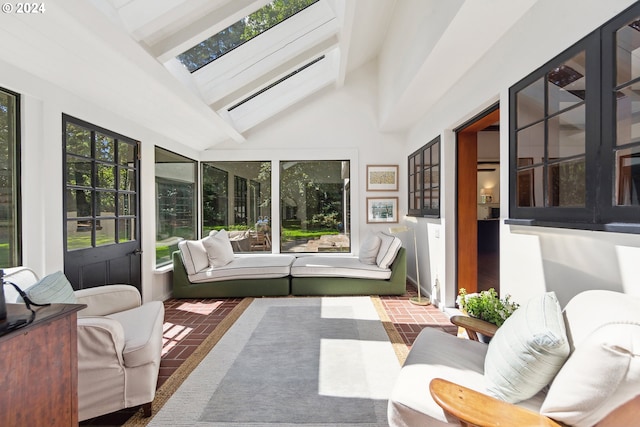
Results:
x,y
575,134
424,180
10,200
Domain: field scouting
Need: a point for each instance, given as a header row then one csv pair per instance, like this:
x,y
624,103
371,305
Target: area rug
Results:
x,y
292,361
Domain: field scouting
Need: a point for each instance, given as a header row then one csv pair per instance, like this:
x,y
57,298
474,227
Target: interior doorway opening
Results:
x,y
477,203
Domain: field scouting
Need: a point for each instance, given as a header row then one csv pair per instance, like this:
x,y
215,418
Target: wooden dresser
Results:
x,y
39,368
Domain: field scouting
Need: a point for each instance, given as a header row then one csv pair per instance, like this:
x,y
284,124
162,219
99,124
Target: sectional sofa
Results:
x,y
208,268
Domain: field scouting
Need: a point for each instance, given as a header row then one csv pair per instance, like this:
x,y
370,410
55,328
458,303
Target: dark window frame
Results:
x,y
15,254
599,213
416,180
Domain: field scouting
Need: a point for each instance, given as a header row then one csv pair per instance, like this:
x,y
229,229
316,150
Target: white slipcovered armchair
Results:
x,y
119,345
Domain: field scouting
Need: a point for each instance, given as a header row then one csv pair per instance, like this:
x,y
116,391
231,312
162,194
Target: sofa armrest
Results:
x,y
100,343
474,326
109,299
475,408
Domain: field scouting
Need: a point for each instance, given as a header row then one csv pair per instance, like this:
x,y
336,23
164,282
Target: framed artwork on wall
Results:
x,y
382,177
382,210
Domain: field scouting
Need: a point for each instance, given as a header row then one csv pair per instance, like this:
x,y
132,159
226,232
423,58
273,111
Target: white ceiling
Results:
x,y
123,54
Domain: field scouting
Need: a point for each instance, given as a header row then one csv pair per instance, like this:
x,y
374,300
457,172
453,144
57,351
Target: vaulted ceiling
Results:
x,y
121,54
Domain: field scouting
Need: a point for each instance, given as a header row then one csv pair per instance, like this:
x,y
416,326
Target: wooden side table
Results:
x,y
39,368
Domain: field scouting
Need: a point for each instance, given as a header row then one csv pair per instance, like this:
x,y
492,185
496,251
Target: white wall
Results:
x,y
532,258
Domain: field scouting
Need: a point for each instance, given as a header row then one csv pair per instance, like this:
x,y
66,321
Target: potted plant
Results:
x,y
486,305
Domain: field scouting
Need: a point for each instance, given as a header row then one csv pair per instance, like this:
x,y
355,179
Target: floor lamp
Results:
x,y
401,229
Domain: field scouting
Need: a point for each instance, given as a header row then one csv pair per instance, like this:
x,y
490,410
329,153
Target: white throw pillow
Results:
x,y
219,250
369,249
601,374
527,350
389,247
194,256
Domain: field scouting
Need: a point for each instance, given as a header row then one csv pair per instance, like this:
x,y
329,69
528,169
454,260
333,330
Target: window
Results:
x,y
101,201
315,206
240,32
424,180
176,195
10,251
575,134
247,217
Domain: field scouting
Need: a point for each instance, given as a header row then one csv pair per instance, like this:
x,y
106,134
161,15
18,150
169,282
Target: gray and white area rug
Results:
x,y
289,362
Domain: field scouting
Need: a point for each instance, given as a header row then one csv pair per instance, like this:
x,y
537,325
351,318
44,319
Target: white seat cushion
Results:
x,y
247,267
334,266
437,354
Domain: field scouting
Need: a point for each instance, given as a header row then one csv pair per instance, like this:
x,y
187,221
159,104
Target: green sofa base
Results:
x,y
395,285
298,286
182,288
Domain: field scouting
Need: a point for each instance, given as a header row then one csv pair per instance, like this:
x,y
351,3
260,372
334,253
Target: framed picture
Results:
x,y
382,177
382,210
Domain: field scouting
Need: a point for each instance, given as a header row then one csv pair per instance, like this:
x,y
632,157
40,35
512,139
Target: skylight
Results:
x,y
242,31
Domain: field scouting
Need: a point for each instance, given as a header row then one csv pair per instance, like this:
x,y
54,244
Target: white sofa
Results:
x,y
119,345
208,268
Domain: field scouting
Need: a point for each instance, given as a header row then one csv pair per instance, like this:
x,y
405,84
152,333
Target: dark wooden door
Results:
x,y
102,211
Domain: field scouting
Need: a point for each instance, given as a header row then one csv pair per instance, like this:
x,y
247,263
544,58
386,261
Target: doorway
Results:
x,y
101,206
477,203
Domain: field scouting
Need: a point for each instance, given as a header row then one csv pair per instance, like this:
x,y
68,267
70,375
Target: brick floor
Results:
x,y
189,321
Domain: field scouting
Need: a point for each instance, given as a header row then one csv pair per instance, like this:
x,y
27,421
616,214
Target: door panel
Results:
x,y
102,228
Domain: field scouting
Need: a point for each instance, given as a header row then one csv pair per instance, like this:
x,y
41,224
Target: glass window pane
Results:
x,y
247,212
567,84
435,153
105,148
79,171
9,181
127,179
78,140
435,198
314,199
628,115
567,184
627,177
628,52
105,176
530,103
105,232
106,203
127,230
426,199
427,178
126,204
530,143
529,187
126,153
79,234
79,203
566,134
435,176
240,32
175,202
